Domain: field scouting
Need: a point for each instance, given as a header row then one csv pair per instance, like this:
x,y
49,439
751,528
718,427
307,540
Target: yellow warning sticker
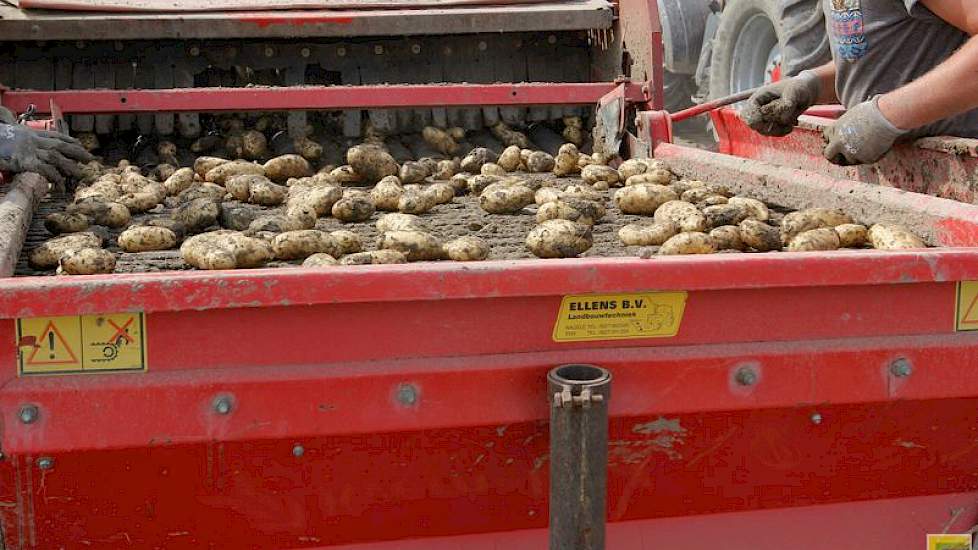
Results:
x,y
949,542
966,310
81,344
619,316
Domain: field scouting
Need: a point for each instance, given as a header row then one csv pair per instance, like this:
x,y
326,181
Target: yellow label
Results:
x,y
966,310
619,316
81,344
948,542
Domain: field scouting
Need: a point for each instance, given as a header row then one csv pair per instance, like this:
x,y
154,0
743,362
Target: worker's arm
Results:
x,y
50,154
775,108
865,133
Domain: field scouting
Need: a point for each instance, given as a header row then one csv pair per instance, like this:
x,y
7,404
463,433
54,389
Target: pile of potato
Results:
x,y
251,210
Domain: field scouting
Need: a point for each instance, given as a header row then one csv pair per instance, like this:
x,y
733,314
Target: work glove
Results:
x,y
774,109
50,154
861,136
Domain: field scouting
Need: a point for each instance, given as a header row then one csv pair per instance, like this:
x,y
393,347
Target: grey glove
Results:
x,y
774,109
52,155
861,136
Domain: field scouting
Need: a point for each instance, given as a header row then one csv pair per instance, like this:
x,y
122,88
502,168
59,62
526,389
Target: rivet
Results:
x,y
298,451
194,51
341,51
28,414
269,51
901,368
415,48
552,39
45,463
483,46
222,405
746,376
305,52
816,418
407,394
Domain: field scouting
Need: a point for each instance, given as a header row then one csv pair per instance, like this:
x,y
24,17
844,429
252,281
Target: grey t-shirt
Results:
x,y
880,45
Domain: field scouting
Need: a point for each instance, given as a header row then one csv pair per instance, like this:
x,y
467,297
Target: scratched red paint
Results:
x,y
263,22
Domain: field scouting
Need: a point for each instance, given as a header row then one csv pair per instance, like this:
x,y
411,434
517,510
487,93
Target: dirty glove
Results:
x,y
52,155
861,136
774,109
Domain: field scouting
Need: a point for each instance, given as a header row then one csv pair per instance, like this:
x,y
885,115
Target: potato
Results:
x,y
478,184
646,234
47,254
294,219
440,140
307,148
374,257
574,130
320,260
109,214
585,160
86,261
179,181
101,189
415,245
582,211
239,187
88,140
546,194
815,239
685,215
387,193
320,198
461,182
203,165
466,249
492,169
254,145
237,217
596,172
298,245
429,164
682,186
221,173
439,193
893,237
234,146
501,198
724,214
509,136
688,243
179,230
139,202
281,168
225,250
348,240
266,193
644,198
63,222
727,237
713,200
696,194
473,161
565,163
760,236
413,172
445,170
345,175
353,209
582,192
539,162
372,163
204,190
812,218
400,222
756,209
143,238
197,215
634,167
205,144
852,235
559,239
509,159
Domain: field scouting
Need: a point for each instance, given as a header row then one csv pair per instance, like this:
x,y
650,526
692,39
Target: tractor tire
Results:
x,y
679,90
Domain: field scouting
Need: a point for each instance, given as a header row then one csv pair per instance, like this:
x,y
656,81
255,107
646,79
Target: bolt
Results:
x,y
118,46
232,51
816,418
341,51
269,51
305,52
552,39
415,48
901,368
28,414
746,376
194,51
298,451
222,405
80,44
45,463
483,46
407,394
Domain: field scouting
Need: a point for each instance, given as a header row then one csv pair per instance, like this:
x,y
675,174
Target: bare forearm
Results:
x,y
826,76
949,89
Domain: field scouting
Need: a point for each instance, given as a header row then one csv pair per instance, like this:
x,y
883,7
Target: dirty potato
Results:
x,y
203,165
445,170
760,236
440,140
633,167
254,145
348,240
565,163
852,235
47,254
684,215
559,239
387,193
345,175
63,222
86,261
646,234
266,193
812,240
756,209
893,237
439,193
320,260
594,173
659,177
307,148
353,209
204,190
582,192
500,198
101,212
724,214
414,202
582,211
372,163
727,237
144,238
179,230
644,198
225,250
492,169
178,181
413,172
298,245
692,242
509,136
320,198
509,159
374,257
400,222
539,162
812,218
477,184
472,162
237,217
138,203
466,249
222,172
239,187
546,194
281,168
415,245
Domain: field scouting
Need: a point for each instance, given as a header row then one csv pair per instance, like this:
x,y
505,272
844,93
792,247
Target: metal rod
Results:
x,y
578,396
711,105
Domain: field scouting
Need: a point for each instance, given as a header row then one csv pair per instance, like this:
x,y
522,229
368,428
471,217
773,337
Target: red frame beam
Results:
x,y
106,101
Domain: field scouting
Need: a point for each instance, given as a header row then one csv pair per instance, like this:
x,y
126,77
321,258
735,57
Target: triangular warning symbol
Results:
x,y
51,349
970,316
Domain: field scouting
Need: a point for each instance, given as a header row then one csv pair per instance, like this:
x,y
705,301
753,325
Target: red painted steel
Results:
x,y
315,97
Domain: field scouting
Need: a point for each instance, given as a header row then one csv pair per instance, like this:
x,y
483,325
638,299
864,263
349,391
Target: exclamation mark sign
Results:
x,y
51,343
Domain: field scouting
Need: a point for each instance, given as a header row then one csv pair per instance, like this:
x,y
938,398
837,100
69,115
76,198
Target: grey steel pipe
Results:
x,y
578,396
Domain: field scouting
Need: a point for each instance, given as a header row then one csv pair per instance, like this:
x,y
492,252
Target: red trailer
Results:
x,y
805,400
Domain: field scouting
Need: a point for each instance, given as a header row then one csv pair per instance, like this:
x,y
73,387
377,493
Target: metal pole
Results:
x,y
578,396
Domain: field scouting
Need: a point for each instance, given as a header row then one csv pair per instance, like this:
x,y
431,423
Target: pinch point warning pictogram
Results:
x,y
966,308
51,349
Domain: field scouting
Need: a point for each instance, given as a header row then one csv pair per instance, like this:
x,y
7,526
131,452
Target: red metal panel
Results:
x,y
247,5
